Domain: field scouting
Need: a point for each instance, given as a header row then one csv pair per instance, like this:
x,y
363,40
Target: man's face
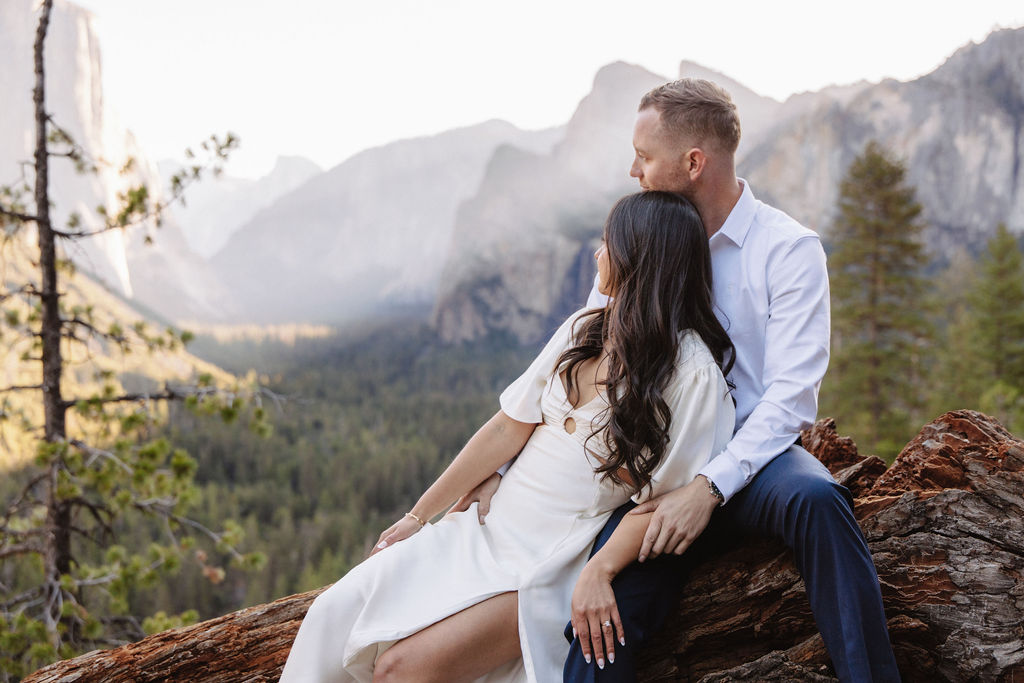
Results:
x,y
659,158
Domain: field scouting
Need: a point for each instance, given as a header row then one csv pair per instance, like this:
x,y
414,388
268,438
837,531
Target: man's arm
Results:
x,y
796,356
795,360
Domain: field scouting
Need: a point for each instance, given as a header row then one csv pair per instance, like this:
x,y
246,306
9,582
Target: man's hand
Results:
x,y
679,518
482,494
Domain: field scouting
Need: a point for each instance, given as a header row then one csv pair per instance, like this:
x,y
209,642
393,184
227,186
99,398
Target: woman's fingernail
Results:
x,y
574,633
611,657
622,641
382,544
587,658
600,663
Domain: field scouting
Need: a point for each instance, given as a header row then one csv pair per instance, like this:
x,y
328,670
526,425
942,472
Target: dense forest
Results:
x,y
360,428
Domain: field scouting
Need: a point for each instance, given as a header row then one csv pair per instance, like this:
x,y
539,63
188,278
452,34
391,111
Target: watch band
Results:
x,y
715,491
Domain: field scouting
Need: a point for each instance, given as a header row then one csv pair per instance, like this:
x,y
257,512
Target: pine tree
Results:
x,y
997,317
96,459
997,301
957,381
879,321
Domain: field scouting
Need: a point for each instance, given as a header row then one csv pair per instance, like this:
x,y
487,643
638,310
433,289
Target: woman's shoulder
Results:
x,y
693,354
568,328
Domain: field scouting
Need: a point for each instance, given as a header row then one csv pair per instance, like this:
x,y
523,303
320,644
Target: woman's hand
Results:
x,y
595,616
399,531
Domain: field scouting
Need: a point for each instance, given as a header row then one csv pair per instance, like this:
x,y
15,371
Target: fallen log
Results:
x,y
945,525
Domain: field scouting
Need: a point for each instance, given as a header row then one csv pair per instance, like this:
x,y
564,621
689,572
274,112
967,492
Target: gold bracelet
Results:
x,y
422,523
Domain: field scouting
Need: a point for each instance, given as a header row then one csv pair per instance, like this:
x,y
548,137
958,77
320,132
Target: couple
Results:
x,y
627,406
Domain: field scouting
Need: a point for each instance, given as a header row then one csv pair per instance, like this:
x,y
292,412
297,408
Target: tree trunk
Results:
x,y
57,559
945,525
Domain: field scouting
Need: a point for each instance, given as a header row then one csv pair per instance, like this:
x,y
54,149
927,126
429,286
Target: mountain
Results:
x,y
370,234
165,275
215,209
523,245
522,258
959,129
140,370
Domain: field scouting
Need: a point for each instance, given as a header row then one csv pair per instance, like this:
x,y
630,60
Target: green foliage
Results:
x,y
880,323
997,300
981,362
100,470
361,429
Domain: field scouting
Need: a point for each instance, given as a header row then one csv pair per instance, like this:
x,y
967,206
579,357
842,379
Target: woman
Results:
x,y
625,400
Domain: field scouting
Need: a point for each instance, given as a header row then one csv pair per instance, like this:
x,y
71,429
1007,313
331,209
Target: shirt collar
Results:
x,y
737,225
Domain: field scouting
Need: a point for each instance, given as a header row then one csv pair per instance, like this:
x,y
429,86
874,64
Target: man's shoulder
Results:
x,y
778,228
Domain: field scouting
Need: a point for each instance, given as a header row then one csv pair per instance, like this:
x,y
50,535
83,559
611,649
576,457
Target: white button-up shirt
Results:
x,y
771,294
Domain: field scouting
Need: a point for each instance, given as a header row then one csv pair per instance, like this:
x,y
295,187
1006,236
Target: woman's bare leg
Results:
x,y
462,647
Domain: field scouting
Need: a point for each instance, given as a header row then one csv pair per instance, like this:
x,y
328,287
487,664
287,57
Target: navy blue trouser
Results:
x,y
793,498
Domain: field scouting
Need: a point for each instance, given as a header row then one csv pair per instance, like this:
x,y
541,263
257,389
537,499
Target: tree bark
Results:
x,y
57,558
945,525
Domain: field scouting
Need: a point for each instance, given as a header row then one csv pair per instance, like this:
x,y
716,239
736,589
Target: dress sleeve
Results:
x,y
521,399
703,418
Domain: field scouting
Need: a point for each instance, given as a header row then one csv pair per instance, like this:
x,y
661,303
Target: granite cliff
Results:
x,y
959,129
521,256
166,276
369,234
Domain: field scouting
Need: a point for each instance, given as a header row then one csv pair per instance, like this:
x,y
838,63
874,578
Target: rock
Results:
x,y
945,525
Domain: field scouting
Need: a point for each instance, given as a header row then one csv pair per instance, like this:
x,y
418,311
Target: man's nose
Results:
x,y
634,170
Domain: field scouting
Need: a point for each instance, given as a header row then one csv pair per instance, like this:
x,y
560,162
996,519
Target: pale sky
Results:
x,y
326,78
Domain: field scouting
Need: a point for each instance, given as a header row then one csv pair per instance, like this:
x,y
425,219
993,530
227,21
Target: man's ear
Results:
x,y
695,162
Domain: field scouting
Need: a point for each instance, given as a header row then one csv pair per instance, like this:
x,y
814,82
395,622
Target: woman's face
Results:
x,y
604,271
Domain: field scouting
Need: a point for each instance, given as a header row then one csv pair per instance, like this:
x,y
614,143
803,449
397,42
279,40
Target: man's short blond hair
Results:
x,y
697,110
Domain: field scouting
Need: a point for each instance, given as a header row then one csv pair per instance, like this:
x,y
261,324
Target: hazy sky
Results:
x,y
327,78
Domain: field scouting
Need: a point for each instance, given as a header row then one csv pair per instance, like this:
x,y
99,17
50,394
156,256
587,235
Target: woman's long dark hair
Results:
x,y
660,272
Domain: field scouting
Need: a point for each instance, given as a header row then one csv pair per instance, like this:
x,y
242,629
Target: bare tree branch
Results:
x,y
17,215
28,595
24,289
20,387
21,549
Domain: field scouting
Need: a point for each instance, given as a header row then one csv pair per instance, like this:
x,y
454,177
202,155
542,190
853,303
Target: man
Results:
x,y
771,294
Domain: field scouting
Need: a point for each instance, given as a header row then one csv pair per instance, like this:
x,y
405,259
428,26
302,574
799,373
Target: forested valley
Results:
x,y
360,428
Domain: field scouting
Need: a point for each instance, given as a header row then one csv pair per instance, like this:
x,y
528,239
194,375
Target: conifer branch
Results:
x,y
96,453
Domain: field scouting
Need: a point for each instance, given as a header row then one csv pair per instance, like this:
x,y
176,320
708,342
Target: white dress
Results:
x,y
543,520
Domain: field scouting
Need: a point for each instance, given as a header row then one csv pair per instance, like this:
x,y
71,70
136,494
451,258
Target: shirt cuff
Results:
x,y
504,468
726,473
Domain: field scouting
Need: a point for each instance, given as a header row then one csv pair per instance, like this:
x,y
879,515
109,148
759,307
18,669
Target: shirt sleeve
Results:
x,y
703,418
521,399
795,360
